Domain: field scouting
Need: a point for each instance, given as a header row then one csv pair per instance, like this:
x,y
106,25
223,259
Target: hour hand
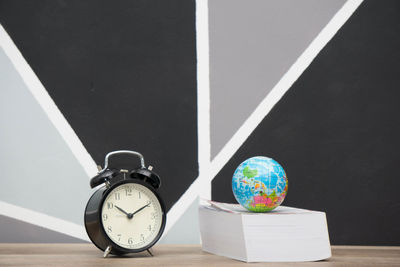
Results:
x,y
126,213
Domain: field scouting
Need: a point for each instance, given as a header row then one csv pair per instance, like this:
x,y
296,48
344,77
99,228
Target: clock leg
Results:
x,y
150,252
107,251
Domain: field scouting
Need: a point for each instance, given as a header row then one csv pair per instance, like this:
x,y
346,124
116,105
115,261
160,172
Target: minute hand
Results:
x,y
141,209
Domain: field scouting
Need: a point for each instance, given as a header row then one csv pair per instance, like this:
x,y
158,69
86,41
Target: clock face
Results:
x,y
132,216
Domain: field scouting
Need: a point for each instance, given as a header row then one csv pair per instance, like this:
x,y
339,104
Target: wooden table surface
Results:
x,y
175,255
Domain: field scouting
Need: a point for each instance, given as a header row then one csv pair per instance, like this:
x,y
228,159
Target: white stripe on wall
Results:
x,y
43,220
203,92
262,109
283,85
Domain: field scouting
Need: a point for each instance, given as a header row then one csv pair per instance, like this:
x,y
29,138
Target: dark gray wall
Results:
x,y
123,73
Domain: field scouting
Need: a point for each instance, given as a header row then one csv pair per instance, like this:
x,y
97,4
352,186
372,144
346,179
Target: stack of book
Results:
x,y
282,235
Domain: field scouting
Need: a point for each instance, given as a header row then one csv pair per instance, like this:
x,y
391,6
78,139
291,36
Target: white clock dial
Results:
x,y
131,216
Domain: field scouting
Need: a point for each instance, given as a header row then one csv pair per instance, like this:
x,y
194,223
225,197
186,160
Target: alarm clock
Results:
x,y
125,214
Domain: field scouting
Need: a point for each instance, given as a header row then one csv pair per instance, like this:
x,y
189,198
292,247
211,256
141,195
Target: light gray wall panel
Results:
x,y
252,45
186,229
39,171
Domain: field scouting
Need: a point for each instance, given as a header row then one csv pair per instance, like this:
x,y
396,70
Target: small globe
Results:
x,y
259,184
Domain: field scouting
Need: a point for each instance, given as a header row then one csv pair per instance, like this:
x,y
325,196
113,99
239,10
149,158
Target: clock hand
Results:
x,y
141,208
126,213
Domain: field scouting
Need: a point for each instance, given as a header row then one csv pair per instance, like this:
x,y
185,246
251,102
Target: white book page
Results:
x,y
236,208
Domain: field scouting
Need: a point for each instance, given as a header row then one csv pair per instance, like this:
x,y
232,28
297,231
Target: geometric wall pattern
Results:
x,y
121,78
197,87
336,131
40,172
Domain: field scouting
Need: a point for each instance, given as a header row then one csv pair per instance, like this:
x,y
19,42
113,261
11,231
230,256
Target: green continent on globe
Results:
x,y
247,172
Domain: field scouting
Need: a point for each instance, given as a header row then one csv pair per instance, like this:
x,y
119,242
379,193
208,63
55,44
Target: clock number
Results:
x,y
110,205
142,237
130,241
140,196
117,196
109,229
128,191
105,217
119,237
152,215
149,227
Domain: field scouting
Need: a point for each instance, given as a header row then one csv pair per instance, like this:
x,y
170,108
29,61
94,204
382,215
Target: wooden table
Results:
x,y
175,255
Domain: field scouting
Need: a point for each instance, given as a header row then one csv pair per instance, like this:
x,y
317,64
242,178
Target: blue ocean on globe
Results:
x,y
259,184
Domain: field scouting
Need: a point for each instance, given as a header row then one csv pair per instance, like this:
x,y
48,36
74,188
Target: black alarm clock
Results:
x,y
125,215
